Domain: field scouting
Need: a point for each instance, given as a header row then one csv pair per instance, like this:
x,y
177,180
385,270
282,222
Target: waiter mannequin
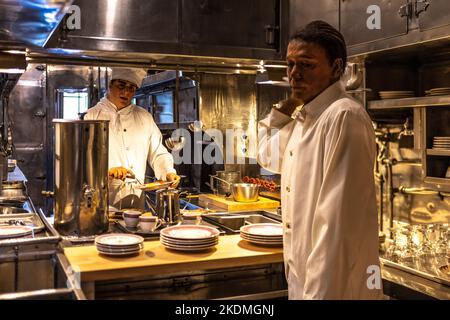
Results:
x,y
134,139
325,150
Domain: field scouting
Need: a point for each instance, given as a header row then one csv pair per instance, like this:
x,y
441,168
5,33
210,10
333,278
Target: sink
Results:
x,y
232,222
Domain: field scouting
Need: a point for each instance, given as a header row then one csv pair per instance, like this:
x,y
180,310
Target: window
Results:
x,y
163,107
74,103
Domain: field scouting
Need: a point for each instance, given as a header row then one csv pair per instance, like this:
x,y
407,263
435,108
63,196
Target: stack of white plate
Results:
x,y
189,237
263,233
396,94
438,91
441,143
119,244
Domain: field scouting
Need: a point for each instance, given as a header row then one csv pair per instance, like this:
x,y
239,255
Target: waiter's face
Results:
x,y
309,69
121,92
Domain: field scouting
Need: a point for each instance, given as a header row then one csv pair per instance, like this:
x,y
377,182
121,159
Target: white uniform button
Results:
x,y
288,189
288,225
127,148
291,153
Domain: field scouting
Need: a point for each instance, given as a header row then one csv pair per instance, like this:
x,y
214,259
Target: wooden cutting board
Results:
x,y
231,205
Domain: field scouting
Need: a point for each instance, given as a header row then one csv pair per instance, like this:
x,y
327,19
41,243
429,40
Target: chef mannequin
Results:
x,y
322,143
134,139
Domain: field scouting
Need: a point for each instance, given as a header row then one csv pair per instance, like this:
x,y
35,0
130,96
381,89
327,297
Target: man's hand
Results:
x,y
288,106
119,173
175,178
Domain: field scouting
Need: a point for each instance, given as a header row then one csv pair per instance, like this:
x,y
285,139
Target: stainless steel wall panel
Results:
x,y
229,102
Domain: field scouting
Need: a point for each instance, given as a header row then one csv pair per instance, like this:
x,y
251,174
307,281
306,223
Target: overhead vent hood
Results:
x,y
26,23
171,34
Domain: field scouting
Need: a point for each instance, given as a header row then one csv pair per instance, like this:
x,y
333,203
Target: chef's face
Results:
x,y
121,92
309,69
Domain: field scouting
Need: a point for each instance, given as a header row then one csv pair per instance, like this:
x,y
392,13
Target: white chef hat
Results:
x,y
134,75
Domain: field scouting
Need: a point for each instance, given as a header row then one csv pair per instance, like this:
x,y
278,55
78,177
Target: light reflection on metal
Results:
x,y
12,70
30,21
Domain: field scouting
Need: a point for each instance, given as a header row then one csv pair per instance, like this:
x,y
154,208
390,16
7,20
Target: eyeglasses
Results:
x,y
125,87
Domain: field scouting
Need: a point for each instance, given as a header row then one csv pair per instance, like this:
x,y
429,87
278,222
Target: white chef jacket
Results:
x,y
326,159
134,139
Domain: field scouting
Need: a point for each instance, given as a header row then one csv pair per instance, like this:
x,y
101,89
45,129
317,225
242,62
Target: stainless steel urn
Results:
x,y
81,177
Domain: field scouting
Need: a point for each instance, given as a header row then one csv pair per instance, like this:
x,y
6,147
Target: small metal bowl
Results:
x,y
245,192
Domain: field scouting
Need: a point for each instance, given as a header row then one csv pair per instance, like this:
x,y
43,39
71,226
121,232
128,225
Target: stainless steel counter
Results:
x,y
404,285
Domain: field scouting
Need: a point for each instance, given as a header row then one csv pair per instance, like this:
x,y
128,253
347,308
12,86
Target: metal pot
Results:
x,y
245,192
168,205
225,179
242,192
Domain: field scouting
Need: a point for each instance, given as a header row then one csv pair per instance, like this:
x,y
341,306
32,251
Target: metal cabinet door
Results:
x,y
354,18
436,15
301,12
128,20
28,119
238,23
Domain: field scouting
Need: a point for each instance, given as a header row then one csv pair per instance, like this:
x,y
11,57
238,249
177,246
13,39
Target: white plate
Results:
x,y
262,241
14,231
397,92
265,243
440,89
264,238
118,253
107,249
189,245
189,249
263,229
119,239
193,232
115,249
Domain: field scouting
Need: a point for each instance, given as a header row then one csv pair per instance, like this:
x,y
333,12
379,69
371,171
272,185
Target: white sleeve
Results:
x,y
159,158
343,201
273,135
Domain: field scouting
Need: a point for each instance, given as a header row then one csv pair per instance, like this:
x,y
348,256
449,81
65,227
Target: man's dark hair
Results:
x,y
323,34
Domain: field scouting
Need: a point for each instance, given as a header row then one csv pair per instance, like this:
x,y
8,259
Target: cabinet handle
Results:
x,y
270,34
421,6
405,10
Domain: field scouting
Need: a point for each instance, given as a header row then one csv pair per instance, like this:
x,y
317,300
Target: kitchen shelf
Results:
x,y
415,102
433,152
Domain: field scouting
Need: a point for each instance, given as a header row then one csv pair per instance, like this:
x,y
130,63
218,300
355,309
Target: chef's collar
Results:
x,y
112,106
319,104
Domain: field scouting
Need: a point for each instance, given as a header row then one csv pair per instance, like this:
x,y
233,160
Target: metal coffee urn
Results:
x,y
81,177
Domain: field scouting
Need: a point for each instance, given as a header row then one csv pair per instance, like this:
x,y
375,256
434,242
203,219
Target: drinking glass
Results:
x,y
408,255
425,253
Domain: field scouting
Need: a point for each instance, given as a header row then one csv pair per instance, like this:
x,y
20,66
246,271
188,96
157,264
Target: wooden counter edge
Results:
x,y
133,272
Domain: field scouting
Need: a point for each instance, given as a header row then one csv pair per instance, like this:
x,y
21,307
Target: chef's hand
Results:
x,y
119,173
175,178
